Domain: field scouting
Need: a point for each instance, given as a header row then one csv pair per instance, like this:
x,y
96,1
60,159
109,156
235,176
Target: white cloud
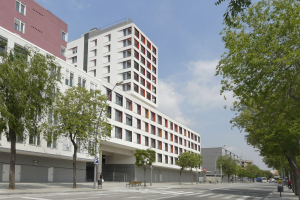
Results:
x,y
78,5
169,102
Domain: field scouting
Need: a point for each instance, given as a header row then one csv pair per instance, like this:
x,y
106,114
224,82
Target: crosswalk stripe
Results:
x,y
229,197
216,196
204,195
244,197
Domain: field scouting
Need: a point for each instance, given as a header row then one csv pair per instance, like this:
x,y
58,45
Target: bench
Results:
x,y
131,183
139,183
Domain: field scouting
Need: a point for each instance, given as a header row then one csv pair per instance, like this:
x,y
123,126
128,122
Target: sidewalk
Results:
x,y
285,195
34,188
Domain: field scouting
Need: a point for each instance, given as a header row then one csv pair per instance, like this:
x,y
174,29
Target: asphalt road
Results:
x,y
203,192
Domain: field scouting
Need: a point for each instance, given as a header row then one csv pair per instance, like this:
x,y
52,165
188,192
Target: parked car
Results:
x,y
279,180
275,181
263,179
270,181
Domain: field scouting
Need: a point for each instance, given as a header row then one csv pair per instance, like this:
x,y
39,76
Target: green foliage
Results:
x,y
235,8
229,165
27,80
252,171
144,158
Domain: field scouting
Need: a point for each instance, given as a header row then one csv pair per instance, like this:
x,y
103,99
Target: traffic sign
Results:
x,y
96,161
204,169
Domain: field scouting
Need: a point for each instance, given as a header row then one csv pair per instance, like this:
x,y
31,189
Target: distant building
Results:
x,y
210,156
245,163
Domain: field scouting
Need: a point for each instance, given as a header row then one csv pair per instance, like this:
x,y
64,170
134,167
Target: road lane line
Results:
x,y
204,195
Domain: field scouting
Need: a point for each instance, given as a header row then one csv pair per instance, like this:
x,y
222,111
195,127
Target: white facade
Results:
x,y
137,123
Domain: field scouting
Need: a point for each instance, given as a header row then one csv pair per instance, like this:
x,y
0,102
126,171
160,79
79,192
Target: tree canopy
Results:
x,y
144,158
228,165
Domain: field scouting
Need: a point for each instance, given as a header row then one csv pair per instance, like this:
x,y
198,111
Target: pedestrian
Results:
x,y
290,184
101,178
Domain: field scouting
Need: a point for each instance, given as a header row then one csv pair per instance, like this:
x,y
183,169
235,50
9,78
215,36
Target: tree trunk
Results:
x,y
74,166
12,135
180,178
293,179
296,177
192,176
144,176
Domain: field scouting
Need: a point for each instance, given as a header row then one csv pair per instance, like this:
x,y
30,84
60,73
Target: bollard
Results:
x,y
279,189
100,183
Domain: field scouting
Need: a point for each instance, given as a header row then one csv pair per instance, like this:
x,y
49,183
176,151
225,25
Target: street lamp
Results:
x,y
95,164
216,166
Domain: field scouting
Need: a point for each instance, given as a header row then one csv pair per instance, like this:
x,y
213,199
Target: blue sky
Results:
x,y
189,44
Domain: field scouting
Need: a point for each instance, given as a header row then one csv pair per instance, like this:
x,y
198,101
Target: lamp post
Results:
x,y
216,166
95,164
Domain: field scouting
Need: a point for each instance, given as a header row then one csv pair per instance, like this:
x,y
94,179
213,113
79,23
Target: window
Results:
x,y
128,104
146,141
153,79
143,39
166,123
3,44
159,158
143,71
108,94
142,81
74,50
139,109
128,136
153,116
66,146
180,130
95,42
148,45
176,139
152,129
154,70
74,59
95,73
34,139
63,51
126,42
119,99
136,66
126,64
166,135
143,50
83,83
21,8
166,147
171,159
138,123
138,138
108,58
148,55
108,48
71,79
148,65
142,92
126,53
109,38
136,77
126,31
136,33
95,52
127,75
118,116
153,89
64,35
159,146
136,44
153,143
19,25
136,88
118,132
159,119
143,60
108,113
108,69
51,143
148,96
136,55
148,75
126,87
67,77
154,50
166,159
171,125
176,150
148,85
153,59
146,127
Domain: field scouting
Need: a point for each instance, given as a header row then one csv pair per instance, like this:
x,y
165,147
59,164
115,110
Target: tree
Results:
x,y
76,114
144,158
235,7
228,165
252,171
240,172
261,68
182,162
196,162
27,86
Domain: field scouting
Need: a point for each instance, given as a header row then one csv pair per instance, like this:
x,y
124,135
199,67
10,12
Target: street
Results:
x,y
206,191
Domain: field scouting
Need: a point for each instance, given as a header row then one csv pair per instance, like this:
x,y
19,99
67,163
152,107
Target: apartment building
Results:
x,y
137,122
36,24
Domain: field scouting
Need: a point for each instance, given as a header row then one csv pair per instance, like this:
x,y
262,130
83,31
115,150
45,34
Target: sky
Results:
x,y
187,34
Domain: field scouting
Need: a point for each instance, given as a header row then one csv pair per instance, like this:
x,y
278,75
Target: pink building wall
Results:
x,y
42,28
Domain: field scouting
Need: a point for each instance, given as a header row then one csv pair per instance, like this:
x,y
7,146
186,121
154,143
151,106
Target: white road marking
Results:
x,y
204,195
229,197
33,198
244,197
216,196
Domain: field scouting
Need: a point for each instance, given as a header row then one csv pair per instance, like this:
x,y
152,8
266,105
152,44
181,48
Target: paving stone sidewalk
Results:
x,y
287,194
